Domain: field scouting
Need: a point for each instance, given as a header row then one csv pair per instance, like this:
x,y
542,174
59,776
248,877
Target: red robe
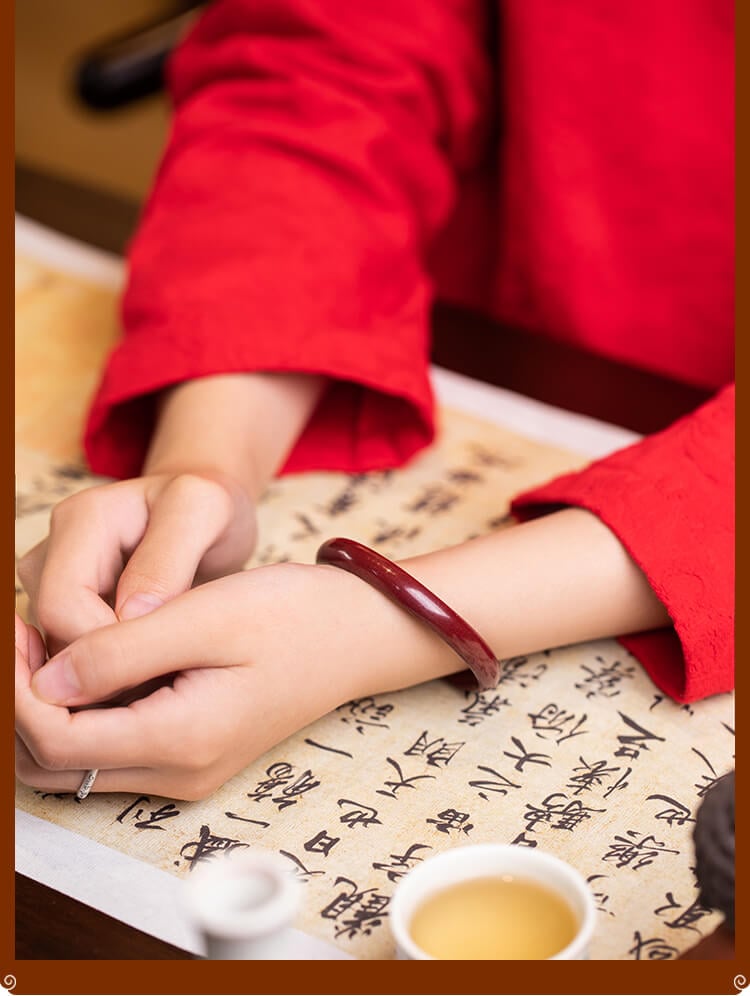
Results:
x,y
333,166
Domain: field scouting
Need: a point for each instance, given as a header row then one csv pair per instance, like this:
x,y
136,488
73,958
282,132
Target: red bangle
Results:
x,y
394,582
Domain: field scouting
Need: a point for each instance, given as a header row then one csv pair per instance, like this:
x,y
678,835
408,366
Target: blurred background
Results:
x,y
91,115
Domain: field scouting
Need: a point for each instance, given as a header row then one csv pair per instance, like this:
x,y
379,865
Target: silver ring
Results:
x,y
87,784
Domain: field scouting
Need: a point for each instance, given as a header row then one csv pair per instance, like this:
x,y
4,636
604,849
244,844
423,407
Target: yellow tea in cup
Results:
x,y
489,918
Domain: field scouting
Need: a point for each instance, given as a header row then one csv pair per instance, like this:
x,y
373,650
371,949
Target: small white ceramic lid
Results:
x,y
242,894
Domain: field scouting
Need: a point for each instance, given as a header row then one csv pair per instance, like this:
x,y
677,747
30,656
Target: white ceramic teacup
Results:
x,y
481,861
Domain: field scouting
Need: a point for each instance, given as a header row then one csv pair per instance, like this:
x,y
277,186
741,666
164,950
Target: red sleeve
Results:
x,y
312,157
670,500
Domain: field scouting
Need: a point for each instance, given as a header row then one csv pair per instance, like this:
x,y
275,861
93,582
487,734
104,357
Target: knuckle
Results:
x,y
49,756
203,756
197,788
82,504
206,492
26,769
67,509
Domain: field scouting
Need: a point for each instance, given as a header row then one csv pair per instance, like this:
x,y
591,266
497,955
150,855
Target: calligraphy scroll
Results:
x,y
574,751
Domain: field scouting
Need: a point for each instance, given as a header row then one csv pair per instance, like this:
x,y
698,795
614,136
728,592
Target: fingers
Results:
x,y
119,780
58,739
151,781
163,529
168,743
190,515
29,645
68,575
112,659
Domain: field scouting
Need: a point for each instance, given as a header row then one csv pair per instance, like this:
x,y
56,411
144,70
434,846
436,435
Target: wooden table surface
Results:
x,y
50,925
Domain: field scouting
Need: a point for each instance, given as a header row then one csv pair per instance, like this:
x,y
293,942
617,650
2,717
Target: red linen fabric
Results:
x,y
333,166
670,501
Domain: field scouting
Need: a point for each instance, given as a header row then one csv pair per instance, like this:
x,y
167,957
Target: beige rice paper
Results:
x,y
574,751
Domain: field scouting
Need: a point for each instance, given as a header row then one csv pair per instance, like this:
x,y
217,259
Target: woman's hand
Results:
x,y
258,655
118,551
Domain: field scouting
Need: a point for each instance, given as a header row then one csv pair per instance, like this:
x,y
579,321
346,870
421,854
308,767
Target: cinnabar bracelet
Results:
x,y
403,589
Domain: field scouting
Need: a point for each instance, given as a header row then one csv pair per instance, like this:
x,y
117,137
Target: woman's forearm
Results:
x,y
560,579
242,425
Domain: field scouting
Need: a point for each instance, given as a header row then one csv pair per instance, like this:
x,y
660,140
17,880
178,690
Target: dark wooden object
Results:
x,y
50,925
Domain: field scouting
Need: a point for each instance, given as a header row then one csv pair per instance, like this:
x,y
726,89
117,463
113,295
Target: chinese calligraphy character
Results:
x,y
365,713
246,819
301,873
304,783
343,501
165,812
522,840
480,707
602,898
483,457
451,819
366,908
621,783
690,914
401,863
634,852
438,751
518,670
603,681
206,846
589,775
358,816
526,757
676,812
653,949
559,815
308,527
402,782
552,720
321,843
500,784
463,476
634,743
333,750
434,499
708,781
388,533
279,776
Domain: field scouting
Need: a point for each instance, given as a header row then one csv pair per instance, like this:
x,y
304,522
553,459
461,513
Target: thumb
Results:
x,y
185,522
113,659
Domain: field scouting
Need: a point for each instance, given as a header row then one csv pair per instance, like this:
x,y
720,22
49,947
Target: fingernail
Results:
x,y
57,682
139,604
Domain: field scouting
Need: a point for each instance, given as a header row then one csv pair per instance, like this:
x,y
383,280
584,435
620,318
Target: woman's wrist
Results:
x,y
218,425
368,645
554,581
560,579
